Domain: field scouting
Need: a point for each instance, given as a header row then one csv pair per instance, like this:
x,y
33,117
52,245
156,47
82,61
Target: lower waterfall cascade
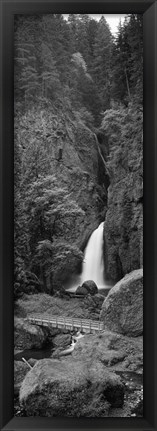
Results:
x,y
93,264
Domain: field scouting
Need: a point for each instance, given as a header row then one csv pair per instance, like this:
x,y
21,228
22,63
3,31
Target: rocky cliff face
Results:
x,y
82,171
123,228
57,143
78,170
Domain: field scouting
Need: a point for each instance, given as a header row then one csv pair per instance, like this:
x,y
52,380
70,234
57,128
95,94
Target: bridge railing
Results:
x,y
84,324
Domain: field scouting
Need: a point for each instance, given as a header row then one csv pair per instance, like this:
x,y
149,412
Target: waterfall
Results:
x,y
93,265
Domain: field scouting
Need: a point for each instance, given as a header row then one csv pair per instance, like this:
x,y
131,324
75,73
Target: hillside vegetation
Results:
x,y
77,145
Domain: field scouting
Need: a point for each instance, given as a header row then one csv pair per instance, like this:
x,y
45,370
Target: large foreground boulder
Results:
x,y
27,336
70,388
122,310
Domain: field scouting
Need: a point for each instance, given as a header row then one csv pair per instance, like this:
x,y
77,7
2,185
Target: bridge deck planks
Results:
x,y
66,322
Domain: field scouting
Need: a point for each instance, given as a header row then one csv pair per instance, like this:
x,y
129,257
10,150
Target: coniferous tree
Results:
x,y
102,61
92,29
127,76
50,83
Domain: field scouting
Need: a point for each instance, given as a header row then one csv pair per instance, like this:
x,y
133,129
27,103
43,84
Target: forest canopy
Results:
x,y
71,76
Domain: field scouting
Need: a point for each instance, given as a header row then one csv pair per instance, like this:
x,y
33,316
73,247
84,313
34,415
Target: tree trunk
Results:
x,y
127,84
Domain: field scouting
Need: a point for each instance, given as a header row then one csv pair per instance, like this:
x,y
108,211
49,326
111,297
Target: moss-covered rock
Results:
x,y
27,336
81,290
62,340
122,310
115,351
90,286
98,299
51,306
70,388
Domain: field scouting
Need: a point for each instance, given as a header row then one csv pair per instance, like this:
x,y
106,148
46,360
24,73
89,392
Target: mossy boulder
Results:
x,y
62,340
115,351
70,388
81,291
90,286
98,299
27,336
122,310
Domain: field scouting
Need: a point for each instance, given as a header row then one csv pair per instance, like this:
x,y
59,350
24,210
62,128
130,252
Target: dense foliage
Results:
x,y
71,75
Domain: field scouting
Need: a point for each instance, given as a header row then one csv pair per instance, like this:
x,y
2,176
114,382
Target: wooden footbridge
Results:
x,y
83,325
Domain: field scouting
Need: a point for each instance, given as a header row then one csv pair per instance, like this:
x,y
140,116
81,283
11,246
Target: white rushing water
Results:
x,y
93,264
